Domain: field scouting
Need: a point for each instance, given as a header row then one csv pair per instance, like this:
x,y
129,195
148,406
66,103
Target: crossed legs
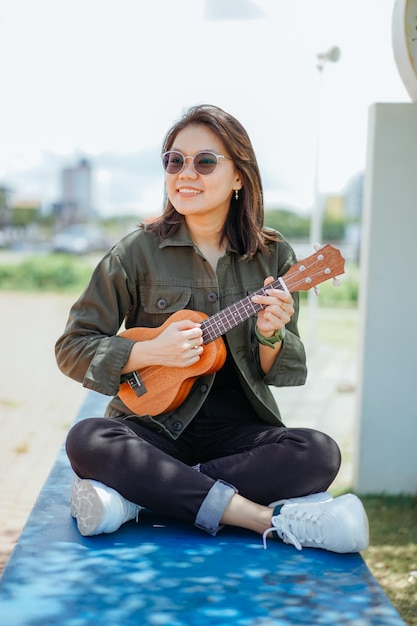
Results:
x,y
148,469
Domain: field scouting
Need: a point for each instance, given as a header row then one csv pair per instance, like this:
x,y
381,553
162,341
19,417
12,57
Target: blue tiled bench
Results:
x,y
161,572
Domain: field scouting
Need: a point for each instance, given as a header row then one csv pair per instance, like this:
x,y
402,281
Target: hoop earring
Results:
x,y
236,194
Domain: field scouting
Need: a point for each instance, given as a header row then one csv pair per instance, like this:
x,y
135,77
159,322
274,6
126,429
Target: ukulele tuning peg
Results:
x,y
336,282
317,247
316,290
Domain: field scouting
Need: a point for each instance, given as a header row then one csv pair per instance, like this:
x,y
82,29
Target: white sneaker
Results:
x,y
99,508
74,496
322,496
338,525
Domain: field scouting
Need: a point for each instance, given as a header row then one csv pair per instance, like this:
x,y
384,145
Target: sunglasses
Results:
x,y
203,162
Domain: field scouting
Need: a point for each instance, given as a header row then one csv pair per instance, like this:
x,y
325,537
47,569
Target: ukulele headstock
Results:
x,y
325,263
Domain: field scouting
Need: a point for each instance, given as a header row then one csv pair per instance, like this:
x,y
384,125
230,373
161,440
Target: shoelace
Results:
x,y
296,530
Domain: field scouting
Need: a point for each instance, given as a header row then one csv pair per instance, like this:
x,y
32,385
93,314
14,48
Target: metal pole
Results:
x,y
316,224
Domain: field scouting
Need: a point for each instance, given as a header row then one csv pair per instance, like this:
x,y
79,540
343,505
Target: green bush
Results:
x,y
46,273
295,225
291,224
71,274
333,229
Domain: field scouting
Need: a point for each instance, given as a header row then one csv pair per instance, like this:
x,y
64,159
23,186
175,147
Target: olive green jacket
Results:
x,y
141,282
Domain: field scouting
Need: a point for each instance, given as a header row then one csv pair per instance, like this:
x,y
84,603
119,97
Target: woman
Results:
x,y
223,456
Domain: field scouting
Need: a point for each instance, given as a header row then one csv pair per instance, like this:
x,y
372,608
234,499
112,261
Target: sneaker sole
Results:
x,y
74,496
89,509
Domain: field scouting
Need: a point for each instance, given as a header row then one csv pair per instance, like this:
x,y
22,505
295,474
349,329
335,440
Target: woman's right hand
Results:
x,y
180,344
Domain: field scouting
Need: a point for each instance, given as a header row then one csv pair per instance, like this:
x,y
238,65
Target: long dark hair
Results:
x,y
244,226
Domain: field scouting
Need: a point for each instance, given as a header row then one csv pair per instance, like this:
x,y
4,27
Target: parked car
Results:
x,y
81,239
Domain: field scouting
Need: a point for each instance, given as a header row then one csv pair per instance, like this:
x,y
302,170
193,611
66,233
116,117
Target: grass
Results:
x,y
46,273
392,555
335,326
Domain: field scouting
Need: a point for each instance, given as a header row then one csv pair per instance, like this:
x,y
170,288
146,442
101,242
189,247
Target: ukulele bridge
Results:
x,y
136,384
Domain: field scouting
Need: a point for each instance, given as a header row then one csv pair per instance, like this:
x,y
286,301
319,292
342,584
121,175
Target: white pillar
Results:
x,y
387,394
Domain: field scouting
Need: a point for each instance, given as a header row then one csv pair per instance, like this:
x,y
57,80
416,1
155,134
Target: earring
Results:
x,y
236,194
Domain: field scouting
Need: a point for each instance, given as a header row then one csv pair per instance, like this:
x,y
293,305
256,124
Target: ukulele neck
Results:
x,y
230,317
325,263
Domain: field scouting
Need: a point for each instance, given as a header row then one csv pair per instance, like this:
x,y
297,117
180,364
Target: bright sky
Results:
x,y
105,79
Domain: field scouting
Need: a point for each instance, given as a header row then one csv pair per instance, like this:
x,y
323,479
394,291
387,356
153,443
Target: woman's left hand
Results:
x,y
279,308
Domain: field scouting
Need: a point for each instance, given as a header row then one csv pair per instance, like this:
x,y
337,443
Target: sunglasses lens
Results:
x,y
172,162
205,162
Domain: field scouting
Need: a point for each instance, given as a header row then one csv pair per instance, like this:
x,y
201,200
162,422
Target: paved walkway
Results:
x,y
38,403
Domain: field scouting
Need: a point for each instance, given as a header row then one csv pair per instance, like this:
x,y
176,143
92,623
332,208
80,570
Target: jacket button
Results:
x,y
204,388
162,304
212,296
177,426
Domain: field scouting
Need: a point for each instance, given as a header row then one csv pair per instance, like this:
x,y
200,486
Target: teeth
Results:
x,y
191,191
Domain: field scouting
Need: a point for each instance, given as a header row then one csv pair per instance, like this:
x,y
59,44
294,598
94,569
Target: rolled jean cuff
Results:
x,y
213,506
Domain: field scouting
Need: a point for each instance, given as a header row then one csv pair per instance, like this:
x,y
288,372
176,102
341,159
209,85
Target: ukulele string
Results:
x,y
297,282
212,327
223,321
148,373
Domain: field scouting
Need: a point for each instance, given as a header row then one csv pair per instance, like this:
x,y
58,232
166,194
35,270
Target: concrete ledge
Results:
x,y
163,572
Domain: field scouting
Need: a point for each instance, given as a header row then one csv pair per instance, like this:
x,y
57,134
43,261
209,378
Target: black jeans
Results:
x,y
234,449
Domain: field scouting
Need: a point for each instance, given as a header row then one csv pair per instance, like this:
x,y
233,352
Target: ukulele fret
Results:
x,y
233,315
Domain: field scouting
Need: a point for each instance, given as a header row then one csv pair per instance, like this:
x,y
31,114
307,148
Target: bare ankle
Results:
x,y
247,514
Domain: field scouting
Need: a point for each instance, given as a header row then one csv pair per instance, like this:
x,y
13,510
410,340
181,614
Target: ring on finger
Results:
x,y
284,306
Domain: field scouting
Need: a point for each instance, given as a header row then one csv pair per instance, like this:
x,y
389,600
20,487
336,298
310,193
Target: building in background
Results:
x,y
354,197
335,206
5,210
76,202
354,210
5,215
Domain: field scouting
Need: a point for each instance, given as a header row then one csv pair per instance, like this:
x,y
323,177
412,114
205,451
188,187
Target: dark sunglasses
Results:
x,y
203,162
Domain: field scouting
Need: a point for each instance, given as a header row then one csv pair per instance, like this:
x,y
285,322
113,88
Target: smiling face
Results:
x,y
194,194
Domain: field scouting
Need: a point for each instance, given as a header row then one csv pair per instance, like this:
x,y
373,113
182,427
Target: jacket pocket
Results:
x,y
159,301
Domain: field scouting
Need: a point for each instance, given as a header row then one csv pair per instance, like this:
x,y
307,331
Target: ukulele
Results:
x,y
158,389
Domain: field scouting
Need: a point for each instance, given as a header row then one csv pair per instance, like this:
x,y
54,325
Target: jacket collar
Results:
x,y
180,238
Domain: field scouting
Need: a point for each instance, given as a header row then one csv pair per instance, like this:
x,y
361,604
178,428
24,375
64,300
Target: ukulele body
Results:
x,y
167,387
